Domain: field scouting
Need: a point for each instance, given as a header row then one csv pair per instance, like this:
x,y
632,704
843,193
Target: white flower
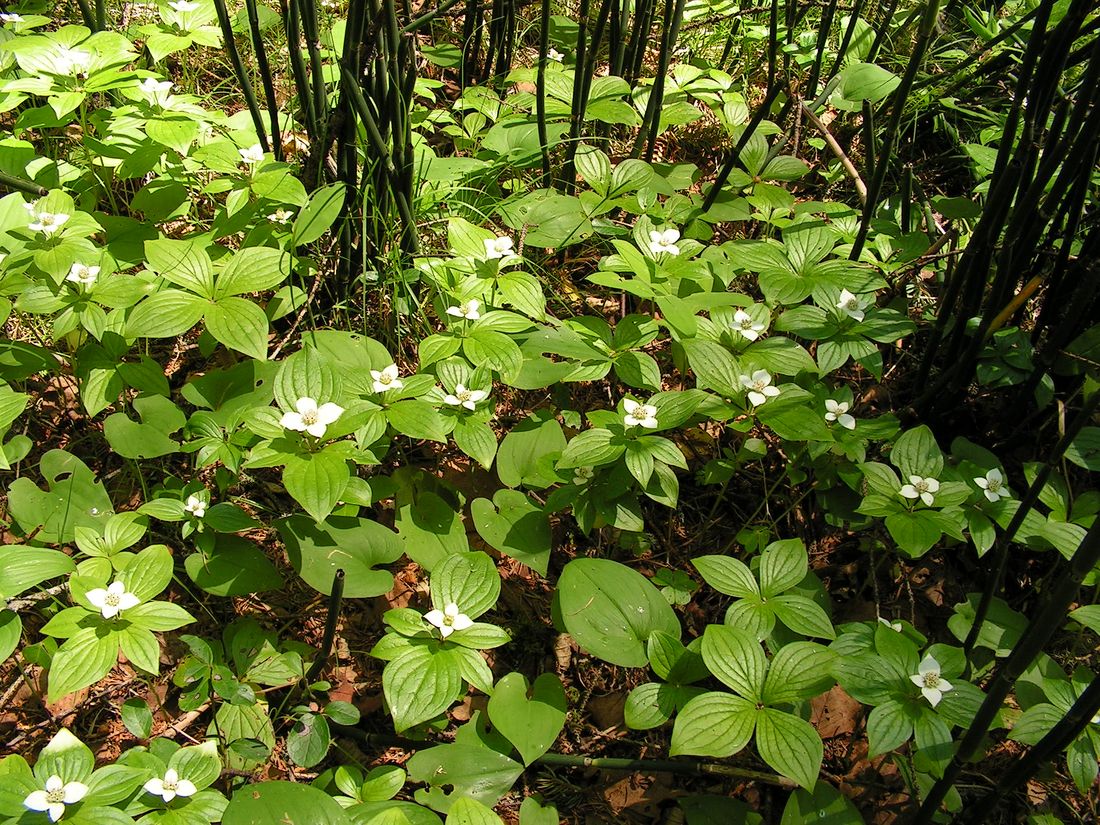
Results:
x,y
927,678
583,475
463,397
922,488
448,620
501,247
664,241
851,305
555,55
113,600
81,274
8,17
467,309
73,61
311,418
252,155
639,415
838,411
759,386
157,91
745,326
55,797
45,222
183,6
282,216
170,786
195,505
895,626
993,485
386,379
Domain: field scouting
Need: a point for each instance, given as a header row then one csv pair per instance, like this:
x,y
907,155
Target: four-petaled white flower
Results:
x,y
45,222
501,247
112,600
183,6
922,488
928,679
81,274
851,305
555,55
55,797
73,61
386,379
311,418
639,415
170,786
838,411
744,325
463,397
195,506
252,155
664,241
158,92
760,388
993,485
282,216
467,309
448,620
895,626
583,475
10,17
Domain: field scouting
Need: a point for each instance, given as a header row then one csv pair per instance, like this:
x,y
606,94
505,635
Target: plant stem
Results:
x,y
336,597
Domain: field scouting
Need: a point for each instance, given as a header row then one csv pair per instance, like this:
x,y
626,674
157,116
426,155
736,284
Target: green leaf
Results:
x,y
165,314
727,575
610,610
476,439
592,448
889,726
239,324
288,803
81,661
24,567
866,81
319,214
469,580
532,813
11,631
824,806
160,418
306,374
511,523
183,263
531,724
253,269
430,529
715,368
148,573
783,564
234,567
420,685
355,545
486,347
467,811
714,724
137,717
916,532
917,453
736,659
802,615
308,741
418,419
800,670
522,453
74,499
141,648
466,770
317,481
790,745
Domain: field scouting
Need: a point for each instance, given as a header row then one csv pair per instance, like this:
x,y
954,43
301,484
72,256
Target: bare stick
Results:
x,y
849,167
